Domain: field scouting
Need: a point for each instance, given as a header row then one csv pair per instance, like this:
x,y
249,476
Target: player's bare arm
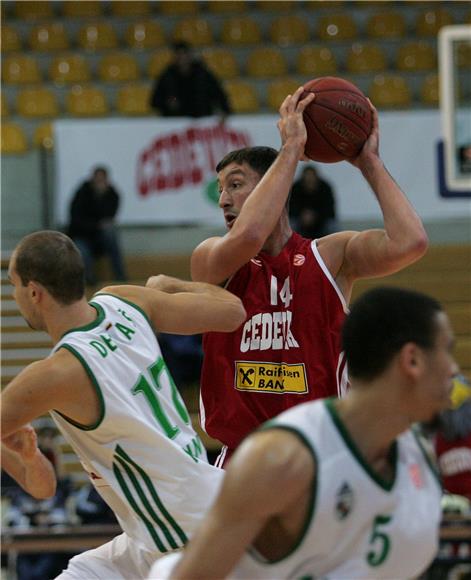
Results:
x,y
376,252
266,481
24,462
187,308
217,258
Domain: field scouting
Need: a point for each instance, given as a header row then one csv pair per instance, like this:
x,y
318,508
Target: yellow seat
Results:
x,y
266,62
40,102
34,10
416,56
390,91
463,54
5,108
86,101
242,96
126,8
222,62
289,29
365,58
144,35
273,5
386,25
10,39
158,61
20,69
171,7
429,22
279,89
47,37
336,27
118,67
133,100
69,68
240,30
430,90
81,9
195,31
44,136
97,36
321,4
315,61
13,139
227,6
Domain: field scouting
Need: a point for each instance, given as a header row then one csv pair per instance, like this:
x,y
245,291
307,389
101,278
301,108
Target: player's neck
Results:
x,y
65,318
279,237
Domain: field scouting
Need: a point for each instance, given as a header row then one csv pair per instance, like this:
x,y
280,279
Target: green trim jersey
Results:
x,y
142,455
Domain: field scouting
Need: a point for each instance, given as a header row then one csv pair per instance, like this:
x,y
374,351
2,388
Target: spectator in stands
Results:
x,y
92,226
91,508
312,205
186,88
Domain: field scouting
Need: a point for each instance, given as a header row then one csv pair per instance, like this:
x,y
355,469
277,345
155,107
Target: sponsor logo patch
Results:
x,y
261,377
344,501
299,259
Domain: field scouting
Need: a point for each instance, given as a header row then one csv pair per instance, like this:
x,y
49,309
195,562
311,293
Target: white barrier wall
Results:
x,y
164,168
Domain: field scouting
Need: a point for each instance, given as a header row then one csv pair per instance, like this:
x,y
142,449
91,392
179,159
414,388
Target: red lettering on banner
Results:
x,y
185,158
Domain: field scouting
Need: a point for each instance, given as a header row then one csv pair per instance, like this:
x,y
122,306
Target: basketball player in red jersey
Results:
x,y
295,290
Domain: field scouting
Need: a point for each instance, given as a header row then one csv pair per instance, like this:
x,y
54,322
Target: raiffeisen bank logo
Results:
x,y
187,158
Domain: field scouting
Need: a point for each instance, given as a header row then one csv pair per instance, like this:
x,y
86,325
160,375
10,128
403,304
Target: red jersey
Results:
x,y
454,460
288,350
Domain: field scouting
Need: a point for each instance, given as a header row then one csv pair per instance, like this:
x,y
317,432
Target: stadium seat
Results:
x,y
390,91
416,56
429,22
20,69
133,100
34,10
195,31
48,37
365,58
463,54
273,5
386,25
170,7
128,9
86,101
39,102
13,139
222,62
321,4
266,62
242,96
5,108
69,68
240,30
430,90
144,35
227,6
316,61
336,27
289,29
10,39
158,61
81,9
44,136
118,67
278,91
97,36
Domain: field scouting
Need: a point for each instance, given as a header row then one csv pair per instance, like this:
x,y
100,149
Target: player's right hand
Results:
x,y
291,124
24,442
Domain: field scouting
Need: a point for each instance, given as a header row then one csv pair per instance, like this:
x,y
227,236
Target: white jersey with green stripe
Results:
x,y
358,526
142,455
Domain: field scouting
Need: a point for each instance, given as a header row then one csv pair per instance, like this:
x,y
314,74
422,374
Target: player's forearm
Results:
x,y
36,475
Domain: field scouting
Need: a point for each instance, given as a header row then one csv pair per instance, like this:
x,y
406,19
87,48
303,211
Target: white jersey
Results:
x,y
142,455
357,526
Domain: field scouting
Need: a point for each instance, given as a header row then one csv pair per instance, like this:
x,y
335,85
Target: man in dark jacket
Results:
x,y
186,88
92,227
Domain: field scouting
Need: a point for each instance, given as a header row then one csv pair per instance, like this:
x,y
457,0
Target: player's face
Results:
x,y
236,183
441,367
23,298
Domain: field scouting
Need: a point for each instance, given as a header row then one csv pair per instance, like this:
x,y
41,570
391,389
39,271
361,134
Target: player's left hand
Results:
x,y
370,150
24,442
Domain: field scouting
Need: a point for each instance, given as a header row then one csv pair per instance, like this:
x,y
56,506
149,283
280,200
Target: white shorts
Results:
x,y
120,559
162,569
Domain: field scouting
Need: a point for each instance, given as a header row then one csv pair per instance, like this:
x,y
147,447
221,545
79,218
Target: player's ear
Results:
x,y
35,291
411,360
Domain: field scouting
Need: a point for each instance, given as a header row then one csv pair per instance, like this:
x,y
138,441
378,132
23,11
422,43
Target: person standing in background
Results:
x,y
312,205
92,224
186,88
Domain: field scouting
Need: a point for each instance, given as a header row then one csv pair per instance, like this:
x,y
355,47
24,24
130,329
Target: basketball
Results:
x,y
338,121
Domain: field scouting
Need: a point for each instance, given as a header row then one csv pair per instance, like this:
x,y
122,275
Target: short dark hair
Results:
x,y
52,259
258,158
381,322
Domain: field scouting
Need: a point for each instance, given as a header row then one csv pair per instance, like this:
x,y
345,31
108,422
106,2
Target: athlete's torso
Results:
x,y
359,526
288,350
143,455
